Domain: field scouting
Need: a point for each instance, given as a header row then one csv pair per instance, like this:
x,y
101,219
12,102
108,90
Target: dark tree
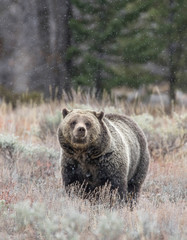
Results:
x,y
62,12
172,67
43,14
98,29
95,28
170,20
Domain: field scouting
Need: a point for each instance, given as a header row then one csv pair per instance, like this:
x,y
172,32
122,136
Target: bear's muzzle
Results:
x,y
80,132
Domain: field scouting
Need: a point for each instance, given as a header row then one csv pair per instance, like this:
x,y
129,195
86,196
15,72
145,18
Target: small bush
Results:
x,y
39,160
10,145
69,226
164,135
48,125
110,227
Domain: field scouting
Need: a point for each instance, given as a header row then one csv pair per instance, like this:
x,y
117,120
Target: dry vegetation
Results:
x,y
34,205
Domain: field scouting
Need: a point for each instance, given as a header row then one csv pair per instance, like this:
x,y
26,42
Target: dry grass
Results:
x,y
34,205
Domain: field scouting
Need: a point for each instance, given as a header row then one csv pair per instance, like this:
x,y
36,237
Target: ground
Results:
x,y
34,205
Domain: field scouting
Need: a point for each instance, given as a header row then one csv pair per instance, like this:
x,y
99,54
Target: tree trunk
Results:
x,y
44,38
63,66
99,85
172,89
172,76
171,63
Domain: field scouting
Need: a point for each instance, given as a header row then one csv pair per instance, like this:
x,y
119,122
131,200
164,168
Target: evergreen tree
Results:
x,y
136,45
158,37
97,28
170,23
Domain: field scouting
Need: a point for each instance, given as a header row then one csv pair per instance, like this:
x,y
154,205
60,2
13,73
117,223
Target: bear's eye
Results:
x,y
73,123
88,124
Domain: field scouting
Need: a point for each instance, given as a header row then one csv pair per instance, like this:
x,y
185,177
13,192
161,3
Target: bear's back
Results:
x,y
121,125
128,137
127,126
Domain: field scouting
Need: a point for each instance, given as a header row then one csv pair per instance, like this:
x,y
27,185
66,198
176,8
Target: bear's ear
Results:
x,y
65,112
99,115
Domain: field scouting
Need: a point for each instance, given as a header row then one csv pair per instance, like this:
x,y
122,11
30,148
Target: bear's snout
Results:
x,y
80,132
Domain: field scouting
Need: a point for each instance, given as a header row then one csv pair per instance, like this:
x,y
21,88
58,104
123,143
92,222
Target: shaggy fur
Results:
x,y
98,149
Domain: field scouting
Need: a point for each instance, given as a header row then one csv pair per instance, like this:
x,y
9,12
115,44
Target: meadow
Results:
x,y
33,202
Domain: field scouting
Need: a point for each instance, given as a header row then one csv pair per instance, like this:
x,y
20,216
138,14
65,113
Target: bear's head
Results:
x,y
80,128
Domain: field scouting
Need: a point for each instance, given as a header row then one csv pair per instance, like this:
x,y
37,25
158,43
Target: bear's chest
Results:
x,y
87,168
90,170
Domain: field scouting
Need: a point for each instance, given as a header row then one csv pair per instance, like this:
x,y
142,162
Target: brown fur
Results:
x,y
97,149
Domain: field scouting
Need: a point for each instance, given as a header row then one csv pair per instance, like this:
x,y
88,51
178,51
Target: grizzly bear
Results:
x,y
99,149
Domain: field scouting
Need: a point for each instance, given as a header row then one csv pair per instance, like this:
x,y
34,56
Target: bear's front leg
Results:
x,y
121,186
115,179
71,172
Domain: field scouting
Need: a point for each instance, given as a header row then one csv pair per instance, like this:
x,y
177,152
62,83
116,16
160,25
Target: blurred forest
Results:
x,y
54,46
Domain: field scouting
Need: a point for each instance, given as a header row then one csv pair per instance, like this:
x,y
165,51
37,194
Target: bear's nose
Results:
x,y
81,129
